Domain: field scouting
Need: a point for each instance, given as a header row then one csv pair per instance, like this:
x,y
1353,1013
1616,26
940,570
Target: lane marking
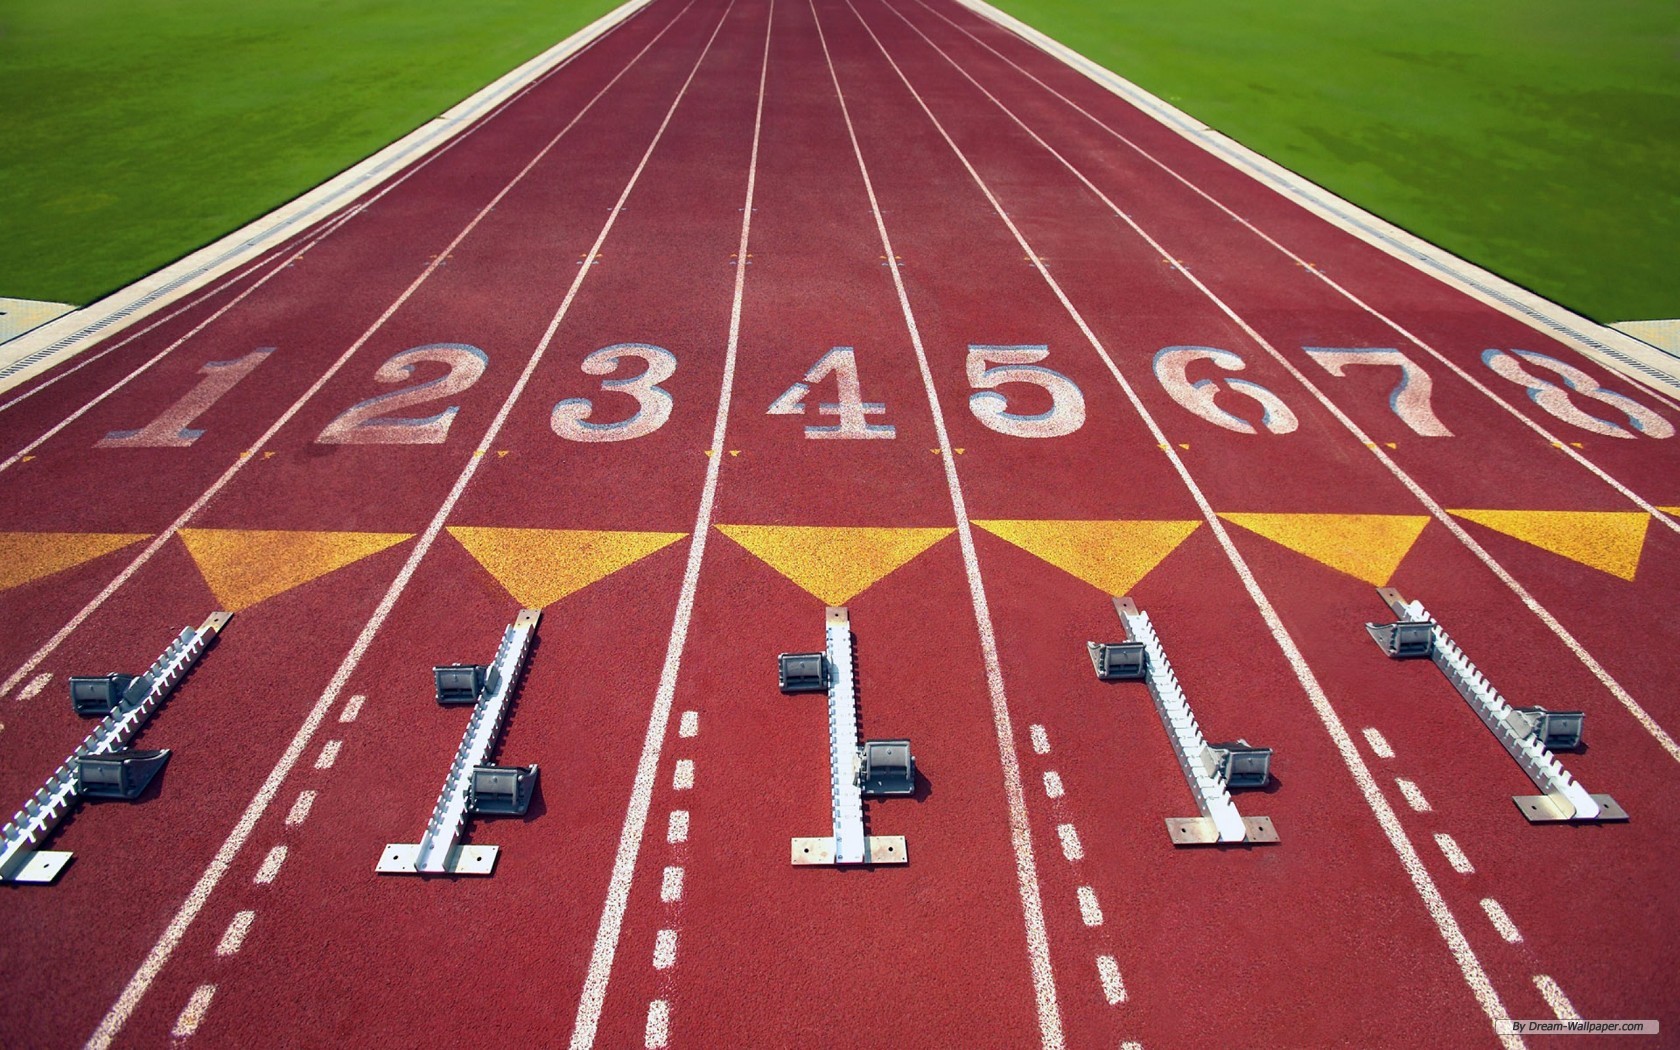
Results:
x,y
36,684
1053,784
1379,745
192,1014
1114,990
1560,1004
1471,968
1026,866
300,808
671,885
1089,910
683,778
352,708
1501,921
233,938
1414,796
658,1025
328,755
665,950
1071,847
689,726
594,993
1040,740
677,830
1455,856
270,866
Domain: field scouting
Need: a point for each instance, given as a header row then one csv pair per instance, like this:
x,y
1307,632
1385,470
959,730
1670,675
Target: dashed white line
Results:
x,y
1379,746
690,724
270,866
1071,849
1053,784
1414,796
1501,921
1114,990
665,950
671,886
233,938
36,684
1455,856
658,1025
300,809
683,778
1089,909
1040,740
677,829
328,755
1560,1004
192,1014
352,708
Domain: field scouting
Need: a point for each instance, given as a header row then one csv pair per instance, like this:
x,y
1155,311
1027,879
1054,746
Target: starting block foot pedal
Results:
x,y
459,684
888,768
1405,640
119,774
1541,809
502,791
98,696
877,849
402,858
1118,661
1201,831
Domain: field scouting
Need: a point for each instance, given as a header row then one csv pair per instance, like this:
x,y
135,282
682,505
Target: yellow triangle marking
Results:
x,y
711,452
245,566
1367,547
26,556
268,455
26,459
960,451
541,566
734,452
1185,445
1607,540
1393,445
1160,446
934,451
1577,444
1669,510
836,563
1111,556
501,452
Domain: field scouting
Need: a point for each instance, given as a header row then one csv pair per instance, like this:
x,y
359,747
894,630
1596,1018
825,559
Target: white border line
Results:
x,y
1623,353
42,348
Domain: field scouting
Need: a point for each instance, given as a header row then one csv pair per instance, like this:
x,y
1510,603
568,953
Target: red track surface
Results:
x,y
1354,930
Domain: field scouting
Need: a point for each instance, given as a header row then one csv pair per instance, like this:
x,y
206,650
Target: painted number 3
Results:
x,y
570,418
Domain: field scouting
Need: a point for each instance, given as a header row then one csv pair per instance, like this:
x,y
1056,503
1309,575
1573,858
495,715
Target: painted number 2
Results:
x,y
370,423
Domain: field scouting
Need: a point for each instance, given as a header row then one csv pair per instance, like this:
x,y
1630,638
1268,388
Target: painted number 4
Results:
x,y
853,410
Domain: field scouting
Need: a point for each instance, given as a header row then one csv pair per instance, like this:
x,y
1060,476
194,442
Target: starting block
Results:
x,y
473,786
1212,770
103,766
879,768
1530,734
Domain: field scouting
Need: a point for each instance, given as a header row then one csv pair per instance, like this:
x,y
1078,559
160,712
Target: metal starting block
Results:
x,y
103,766
1212,770
1529,734
472,785
1404,640
879,768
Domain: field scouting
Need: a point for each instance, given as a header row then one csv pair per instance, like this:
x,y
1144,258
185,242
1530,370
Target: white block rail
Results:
x,y
1562,798
1220,821
20,861
439,851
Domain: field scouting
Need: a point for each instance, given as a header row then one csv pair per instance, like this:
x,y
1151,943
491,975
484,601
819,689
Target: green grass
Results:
x,y
134,131
1537,138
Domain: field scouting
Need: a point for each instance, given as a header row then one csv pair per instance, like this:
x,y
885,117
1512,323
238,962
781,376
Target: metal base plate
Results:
x,y
399,859
1540,809
878,849
40,867
1200,831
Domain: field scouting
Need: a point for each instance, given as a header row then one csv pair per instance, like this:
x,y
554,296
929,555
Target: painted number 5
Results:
x,y
1016,364
570,418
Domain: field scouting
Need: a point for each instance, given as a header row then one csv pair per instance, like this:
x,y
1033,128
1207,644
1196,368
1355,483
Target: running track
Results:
x,y
718,195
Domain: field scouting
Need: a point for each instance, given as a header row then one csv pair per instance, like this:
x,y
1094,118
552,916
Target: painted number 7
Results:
x,y
1410,397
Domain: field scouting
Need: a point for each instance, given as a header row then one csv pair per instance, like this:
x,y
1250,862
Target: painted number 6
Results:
x,y
1171,366
570,418
1015,364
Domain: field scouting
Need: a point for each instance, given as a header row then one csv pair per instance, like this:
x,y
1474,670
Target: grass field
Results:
x,y
1539,138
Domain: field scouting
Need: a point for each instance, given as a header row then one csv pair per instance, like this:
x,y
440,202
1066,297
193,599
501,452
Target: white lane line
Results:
x,y
683,778
36,684
594,993
1436,511
1026,866
658,1025
677,830
1560,1004
270,866
250,453
1071,848
192,1014
328,755
352,708
1131,1044
1414,795
1089,910
665,950
1379,745
165,946
1474,974
1053,784
689,725
1552,440
1455,856
233,938
1501,921
1108,971
1040,739
300,809
671,885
